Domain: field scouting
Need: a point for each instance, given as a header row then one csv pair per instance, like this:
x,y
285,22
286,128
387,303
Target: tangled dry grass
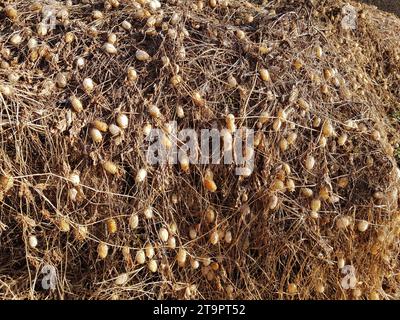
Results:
x,y
324,192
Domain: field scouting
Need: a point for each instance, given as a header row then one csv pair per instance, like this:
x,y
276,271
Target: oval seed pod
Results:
x,y
111,226
110,167
232,82
32,241
192,233
343,182
210,185
283,145
374,296
11,12
176,80
149,249
80,62
95,134
109,47
121,279
154,111
315,205
181,257
140,257
179,112
307,192
171,243
292,137
264,117
16,40
342,139
88,85
210,215
152,265
327,129
148,212
303,104
342,222
163,234
133,221
122,121
41,29
184,163
195,264
264,74
292,288
318,52
72,194
114,129
100,125
63,225
230,123
240,34
126,25
76,104
141,175
290,185
142,55
228,237
273,202
214,237
69,37
102,250
74,178
96,14
132,74
309,163
341,263
198,99
362,226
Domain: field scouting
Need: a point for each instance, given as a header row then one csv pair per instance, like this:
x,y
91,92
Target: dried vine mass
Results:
x,y
77,193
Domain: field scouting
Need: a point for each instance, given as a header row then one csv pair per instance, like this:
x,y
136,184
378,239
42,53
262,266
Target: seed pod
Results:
x,y
277,124
198,99
126,25
102,250
142,55
292,137
171,243
327,129
277,185
176,80
41,29
264,74
273,202
303,104
163,234
140,257
210,185
133,221
195,264
228,237
88,85
112,226
214,237
11,12
122,121
376,135
232,82
309,163
149,250
110,167
320,288
100,125
81,233
192,233
230,123
63,225
292,288
179,112
154,111
342,222
148,212
181,257
324,193
374,296
74,178
362,226
16,40
132,74
341,263
33,241
184,163
121,279
110,48
297,64
95,134
114,129
72,194
318,52
322,142
69,37
210,215
315,205
96,14
283,145
240,34
152,265
342,139
76,104
6,183
264,117
141,175
290,185
343,182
